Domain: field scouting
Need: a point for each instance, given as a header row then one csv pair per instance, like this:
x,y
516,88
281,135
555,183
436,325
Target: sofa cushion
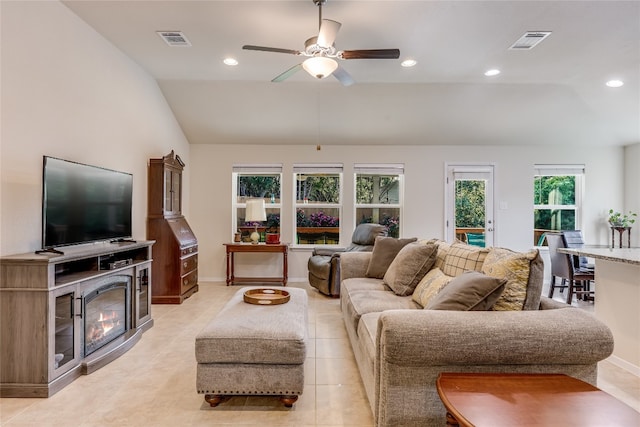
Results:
x,y
385,250
523,274
409,267
432,283
364,284
462,257
355,303
471,291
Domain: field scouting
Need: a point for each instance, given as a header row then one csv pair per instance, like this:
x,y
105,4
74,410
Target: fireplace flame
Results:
x,y
105,323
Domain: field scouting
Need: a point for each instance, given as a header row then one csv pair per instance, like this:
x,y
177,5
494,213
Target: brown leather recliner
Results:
x,y
324,263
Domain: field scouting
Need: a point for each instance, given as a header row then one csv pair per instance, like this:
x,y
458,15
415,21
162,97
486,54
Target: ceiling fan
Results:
x,y
321,53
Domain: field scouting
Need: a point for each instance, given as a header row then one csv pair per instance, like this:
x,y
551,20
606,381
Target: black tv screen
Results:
x,y
82,203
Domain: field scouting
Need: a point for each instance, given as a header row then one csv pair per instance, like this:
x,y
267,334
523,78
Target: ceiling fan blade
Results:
x,y
290,72
271,49
343,76
328,32
370,54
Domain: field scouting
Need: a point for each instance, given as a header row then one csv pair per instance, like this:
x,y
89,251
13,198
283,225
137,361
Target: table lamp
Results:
x,y
255,211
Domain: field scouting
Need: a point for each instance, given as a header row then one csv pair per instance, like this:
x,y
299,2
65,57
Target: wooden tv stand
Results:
x,y
41,313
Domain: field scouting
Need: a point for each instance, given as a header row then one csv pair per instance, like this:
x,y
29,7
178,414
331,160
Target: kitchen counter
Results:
x,y
624,255
617,299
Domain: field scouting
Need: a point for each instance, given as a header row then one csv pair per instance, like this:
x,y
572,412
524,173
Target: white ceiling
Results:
x,y
553,94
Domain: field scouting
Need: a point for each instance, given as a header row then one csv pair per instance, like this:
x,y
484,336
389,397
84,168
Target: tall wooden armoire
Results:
x,y
175,253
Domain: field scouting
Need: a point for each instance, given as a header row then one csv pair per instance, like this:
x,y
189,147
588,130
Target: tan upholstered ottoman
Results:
x,y
252,349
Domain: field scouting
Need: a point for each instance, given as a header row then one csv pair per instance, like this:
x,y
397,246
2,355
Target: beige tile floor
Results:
x,y
154,383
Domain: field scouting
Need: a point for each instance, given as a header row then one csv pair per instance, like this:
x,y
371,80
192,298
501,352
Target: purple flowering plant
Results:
x,y
318,219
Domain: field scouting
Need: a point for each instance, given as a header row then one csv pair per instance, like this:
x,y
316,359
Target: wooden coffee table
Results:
x,y
495,400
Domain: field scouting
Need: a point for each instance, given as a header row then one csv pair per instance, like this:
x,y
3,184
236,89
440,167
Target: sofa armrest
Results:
x,y
431,337
547,303
354,264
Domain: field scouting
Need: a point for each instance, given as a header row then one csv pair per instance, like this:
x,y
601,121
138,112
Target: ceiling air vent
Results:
x,y
174,38
529,40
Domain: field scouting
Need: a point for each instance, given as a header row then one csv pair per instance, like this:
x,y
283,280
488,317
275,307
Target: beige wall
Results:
x,y
68,93
424,192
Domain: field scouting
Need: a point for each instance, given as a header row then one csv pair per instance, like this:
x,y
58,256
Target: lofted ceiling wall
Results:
x,y
552,94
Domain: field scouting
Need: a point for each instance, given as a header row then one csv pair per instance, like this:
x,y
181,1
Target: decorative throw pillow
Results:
x,y
462,257
471,291
384,251
409,267
516,268
432,283
443,250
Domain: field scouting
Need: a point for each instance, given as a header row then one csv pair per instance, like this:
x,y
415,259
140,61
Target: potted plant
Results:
x,y
620,220
272,235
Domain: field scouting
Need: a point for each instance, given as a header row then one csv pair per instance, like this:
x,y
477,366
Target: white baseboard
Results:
x,y
623,364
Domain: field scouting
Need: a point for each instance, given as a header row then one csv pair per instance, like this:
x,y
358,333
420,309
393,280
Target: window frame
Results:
x,y
577,170
318,169
380,169
253,170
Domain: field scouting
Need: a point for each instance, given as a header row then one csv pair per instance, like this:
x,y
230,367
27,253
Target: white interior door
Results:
x,y
469,204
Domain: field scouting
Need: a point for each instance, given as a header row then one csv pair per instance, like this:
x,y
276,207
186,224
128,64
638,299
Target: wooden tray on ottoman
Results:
x,y
264,296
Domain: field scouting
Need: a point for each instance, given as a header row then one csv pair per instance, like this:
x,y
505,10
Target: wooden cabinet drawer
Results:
x,y
189,281
188,251
188,264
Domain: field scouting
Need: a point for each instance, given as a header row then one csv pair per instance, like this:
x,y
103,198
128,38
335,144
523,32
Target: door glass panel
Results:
x,y
469,204
64,344
470,215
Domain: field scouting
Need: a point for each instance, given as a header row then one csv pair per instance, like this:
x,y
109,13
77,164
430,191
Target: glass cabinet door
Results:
x,y
66,329
173,188
143,295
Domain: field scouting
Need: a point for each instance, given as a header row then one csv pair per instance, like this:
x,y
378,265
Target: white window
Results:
x,y
318,203
557,198
379,193
261,182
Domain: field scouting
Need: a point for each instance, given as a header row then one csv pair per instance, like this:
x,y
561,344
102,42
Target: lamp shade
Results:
x,y
319,66
255,210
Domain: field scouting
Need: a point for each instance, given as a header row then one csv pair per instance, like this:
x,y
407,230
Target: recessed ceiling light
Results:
x,y
492,72
230,61
614,83
408,62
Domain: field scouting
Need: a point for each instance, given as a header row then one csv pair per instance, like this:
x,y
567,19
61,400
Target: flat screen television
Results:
x,y
83,203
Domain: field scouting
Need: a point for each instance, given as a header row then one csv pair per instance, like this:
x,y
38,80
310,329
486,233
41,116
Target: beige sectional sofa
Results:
x,y
400,348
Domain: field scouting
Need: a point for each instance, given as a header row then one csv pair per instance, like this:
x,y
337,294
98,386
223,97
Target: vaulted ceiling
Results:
x,y
554,93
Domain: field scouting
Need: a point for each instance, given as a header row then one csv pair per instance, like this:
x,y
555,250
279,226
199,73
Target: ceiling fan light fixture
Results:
x,y
319,66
